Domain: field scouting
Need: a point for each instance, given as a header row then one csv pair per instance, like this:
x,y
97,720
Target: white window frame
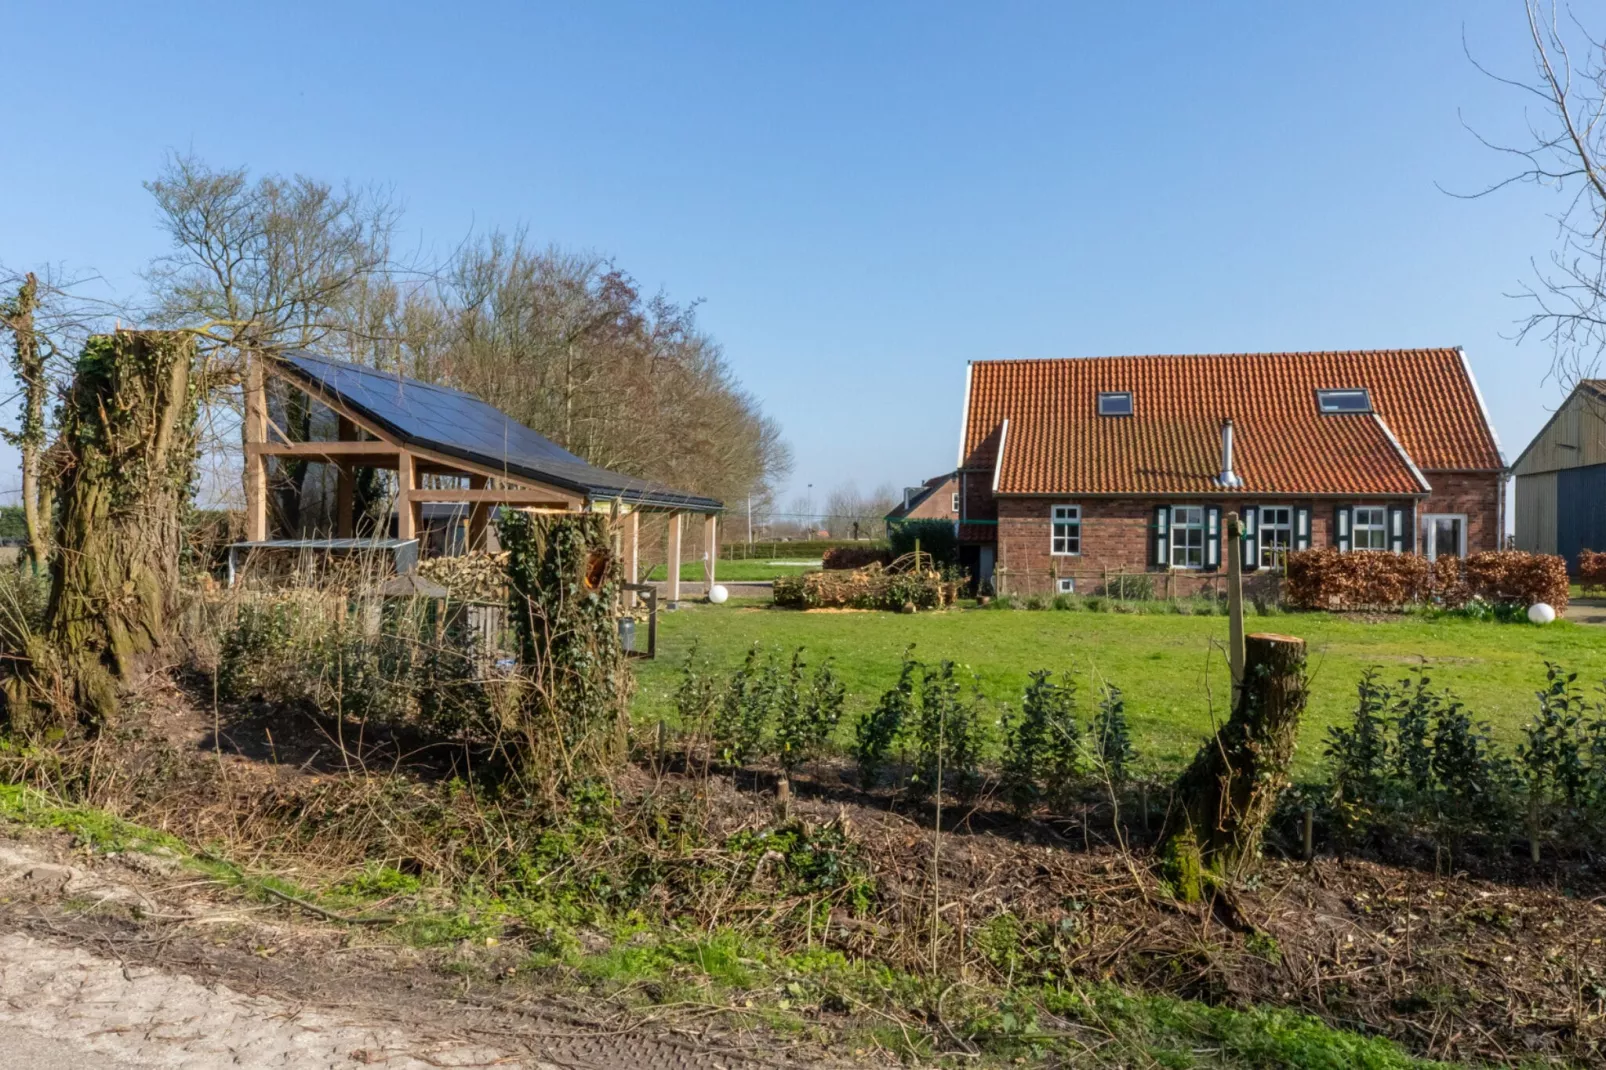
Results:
x,y
1430,537
1112,395
1065,585
1069,516
1357,525
955,509
1325,394
1263,544
1180,526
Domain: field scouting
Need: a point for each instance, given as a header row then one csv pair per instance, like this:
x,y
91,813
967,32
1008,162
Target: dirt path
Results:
x,y
112,965
1586,610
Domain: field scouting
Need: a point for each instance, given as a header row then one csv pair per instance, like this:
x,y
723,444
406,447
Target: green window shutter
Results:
x,y
1212,546
1251,543
1397,529
1341,526
1162,536
1302,527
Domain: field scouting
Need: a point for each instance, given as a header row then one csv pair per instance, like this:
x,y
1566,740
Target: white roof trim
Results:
x,y
1477,391
964,416
998,462
1399,449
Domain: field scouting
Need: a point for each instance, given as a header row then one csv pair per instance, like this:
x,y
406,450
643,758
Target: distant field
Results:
x,y
738,570
1172,668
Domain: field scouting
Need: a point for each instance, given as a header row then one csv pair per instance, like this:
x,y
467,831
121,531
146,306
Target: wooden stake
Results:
x,y
1235,601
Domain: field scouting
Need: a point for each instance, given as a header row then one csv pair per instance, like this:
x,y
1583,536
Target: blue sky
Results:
x,y
865,196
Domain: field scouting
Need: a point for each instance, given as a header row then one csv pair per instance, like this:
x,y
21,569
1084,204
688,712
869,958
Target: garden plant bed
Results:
x,y
686,896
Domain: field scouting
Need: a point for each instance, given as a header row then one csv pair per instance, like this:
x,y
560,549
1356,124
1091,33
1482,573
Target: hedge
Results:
x,y
1334,579
840,557
1592,570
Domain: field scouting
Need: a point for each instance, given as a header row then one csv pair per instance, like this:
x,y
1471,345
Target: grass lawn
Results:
x,y
1172,668
736,571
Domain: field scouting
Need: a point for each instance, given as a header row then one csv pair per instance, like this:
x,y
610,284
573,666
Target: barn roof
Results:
x,y
1424,414
451,422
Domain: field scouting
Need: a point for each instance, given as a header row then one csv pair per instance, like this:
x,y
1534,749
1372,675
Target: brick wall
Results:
x,y
1116,538
1476,494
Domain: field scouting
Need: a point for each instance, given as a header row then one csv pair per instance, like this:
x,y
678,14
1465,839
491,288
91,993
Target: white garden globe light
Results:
x,y
717,594
1541,613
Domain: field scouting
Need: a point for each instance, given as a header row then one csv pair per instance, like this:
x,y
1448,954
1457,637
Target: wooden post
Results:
x,y
345,486
479,515
710,549
406,483
674,558
632,552
1235,601
1224,799
256,465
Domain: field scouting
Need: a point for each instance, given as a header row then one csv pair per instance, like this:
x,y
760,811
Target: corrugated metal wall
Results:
x,y
1580,511
1536,513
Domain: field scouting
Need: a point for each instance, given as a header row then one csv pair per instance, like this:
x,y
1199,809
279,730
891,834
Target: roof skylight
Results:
x,y
1115,403
1350,400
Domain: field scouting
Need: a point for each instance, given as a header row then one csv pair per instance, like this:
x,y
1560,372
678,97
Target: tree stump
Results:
x,y
128,440
1221,804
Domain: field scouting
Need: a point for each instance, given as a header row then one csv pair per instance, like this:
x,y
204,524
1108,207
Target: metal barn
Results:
x,y
1561,479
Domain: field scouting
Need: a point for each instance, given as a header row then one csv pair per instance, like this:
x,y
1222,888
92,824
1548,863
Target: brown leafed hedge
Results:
x,y
841,557
1592,570
1333,579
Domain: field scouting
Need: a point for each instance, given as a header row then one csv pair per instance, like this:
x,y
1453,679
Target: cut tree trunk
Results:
x,y
1221,804
30,438
129,429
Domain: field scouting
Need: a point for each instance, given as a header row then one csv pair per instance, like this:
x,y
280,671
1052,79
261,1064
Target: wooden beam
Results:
x,y
256,464
406,507
711,548
323,449
632,552
493,496
674,557
479,516
345,487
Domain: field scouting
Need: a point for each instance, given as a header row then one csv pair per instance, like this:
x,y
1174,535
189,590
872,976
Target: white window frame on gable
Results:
x,y
955,509
1065,531
1188,536
1375,525
1116,403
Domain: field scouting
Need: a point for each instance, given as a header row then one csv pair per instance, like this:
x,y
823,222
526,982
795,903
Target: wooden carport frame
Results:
x,y
488,487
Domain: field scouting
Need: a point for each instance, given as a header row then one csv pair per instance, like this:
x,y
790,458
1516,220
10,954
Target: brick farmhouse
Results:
x,y
1072,472
935,499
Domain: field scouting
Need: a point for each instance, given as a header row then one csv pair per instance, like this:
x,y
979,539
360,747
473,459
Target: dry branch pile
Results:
x,y
842,557
892,587
1335,580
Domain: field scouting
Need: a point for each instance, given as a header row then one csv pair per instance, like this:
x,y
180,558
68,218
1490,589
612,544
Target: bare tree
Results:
x,y
1565,151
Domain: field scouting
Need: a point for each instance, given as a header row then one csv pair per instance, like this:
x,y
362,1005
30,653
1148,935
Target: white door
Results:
x,y
1444,533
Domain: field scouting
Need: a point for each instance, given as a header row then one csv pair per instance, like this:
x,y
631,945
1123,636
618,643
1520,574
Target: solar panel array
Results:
x,y
460,425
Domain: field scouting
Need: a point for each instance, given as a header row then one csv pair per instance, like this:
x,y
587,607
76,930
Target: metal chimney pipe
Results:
x,y
1227,478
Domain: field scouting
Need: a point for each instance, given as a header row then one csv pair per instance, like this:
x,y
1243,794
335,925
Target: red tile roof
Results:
x,y
1428,414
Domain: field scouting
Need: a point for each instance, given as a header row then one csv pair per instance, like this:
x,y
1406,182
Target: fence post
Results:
x,y
1235,601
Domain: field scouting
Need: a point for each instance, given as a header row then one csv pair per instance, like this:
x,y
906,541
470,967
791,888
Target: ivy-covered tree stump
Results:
x,y
1221,803
563,588
128,444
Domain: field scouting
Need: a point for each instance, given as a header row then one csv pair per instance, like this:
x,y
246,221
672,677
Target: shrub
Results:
x,y
1042,748
880,728
806,713
1592,571
948,736
1136,587
841,557
1112,740
744,712
1512,577
936,537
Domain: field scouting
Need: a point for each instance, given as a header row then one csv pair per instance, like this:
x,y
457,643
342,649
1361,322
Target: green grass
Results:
x,y
1172,668
736,571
